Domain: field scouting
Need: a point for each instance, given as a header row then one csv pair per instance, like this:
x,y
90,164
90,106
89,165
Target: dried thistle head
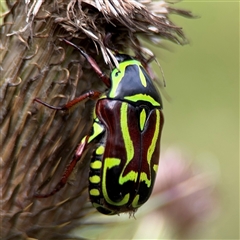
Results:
x,y
37,143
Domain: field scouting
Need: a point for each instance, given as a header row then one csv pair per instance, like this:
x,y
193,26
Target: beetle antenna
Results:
x,y
75,46
162,72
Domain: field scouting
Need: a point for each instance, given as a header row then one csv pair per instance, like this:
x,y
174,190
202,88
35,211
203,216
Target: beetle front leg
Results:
x,y
92,62
91,95
77,156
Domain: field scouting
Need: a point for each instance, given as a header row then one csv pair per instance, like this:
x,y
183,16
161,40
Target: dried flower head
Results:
x,y
37,143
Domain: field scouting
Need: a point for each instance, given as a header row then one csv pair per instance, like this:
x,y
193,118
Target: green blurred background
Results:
x,y
203,113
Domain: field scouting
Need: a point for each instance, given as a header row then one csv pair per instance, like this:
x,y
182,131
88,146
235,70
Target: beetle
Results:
x,y
126,132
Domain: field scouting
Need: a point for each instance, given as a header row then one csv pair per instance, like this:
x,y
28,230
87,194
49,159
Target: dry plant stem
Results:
x,y
36,142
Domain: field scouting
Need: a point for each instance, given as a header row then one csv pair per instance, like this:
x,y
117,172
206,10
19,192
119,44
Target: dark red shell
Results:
x,y
133,156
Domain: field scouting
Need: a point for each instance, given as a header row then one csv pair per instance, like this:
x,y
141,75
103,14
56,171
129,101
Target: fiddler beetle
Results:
x,y
126,132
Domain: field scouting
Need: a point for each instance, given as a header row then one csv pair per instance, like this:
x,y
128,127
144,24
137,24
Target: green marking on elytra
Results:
x,y
125,132
154,138
111,162
135,201
144,178
143,175
142,119
155,167
108,164
151,149
132,175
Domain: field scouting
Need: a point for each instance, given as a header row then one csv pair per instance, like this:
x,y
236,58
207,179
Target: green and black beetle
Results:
x,y
126,133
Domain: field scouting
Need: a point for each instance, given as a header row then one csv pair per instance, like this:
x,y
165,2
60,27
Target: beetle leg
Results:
x,y
91,94
93,64
97,130
77,156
